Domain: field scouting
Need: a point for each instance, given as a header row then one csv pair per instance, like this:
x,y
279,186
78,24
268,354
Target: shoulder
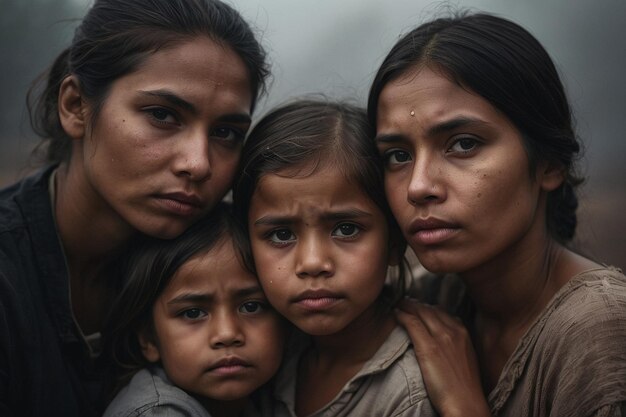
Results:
x,y
26,225
151,393
32,189
592,303
400,381
580,349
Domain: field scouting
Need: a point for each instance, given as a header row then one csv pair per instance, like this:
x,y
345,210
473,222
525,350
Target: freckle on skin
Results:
x,y
479,195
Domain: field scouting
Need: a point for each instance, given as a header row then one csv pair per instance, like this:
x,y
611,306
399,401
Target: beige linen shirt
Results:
x,y
572,361
389,384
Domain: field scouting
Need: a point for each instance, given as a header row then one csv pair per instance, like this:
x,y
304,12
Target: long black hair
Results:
x,y
116,36
506,65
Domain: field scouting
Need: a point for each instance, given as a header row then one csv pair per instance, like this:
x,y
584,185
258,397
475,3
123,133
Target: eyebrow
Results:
x,y
171,98
205,298
175,100
435,130
331,216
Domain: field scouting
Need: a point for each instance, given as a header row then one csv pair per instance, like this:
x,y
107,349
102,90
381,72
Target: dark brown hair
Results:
x,y
116,36
322,133
502,62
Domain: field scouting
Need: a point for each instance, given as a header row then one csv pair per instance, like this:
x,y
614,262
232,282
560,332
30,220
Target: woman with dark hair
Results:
x,y
476,132
144,116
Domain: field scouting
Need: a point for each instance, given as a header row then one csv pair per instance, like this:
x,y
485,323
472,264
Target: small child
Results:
x,y
311,195
192,326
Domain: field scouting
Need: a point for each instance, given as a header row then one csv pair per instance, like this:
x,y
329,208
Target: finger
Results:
x,y
448,319
431,318
414,326
409,305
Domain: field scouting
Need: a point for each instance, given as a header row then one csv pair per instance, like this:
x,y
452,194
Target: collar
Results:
x,y
393,348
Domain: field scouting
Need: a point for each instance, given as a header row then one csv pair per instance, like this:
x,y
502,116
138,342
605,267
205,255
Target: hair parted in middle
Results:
x,y
306,135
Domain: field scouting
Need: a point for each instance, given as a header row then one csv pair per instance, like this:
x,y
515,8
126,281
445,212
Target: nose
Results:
x,y
426,184
313,257
193,158
226,330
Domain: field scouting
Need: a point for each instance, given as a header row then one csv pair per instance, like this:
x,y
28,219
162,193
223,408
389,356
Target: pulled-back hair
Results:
x,y
503,63
146,273
301,137
116,36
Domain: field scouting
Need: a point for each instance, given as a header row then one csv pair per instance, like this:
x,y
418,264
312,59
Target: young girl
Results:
x,y
322,237
476,131
192,326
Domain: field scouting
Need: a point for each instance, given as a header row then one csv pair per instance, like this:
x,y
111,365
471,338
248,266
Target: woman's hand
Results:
x,y
447,360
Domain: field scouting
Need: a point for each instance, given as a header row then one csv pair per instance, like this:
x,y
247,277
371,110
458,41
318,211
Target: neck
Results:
x,y
216,408
90,230
514,288
510,292
355,344
92,234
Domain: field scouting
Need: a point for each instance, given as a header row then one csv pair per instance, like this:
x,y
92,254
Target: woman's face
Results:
x,y
457,174
164,147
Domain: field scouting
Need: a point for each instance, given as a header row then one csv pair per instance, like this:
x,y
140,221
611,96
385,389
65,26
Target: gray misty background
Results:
x,y
335,46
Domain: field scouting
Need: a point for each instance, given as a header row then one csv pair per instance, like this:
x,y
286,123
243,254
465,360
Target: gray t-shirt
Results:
x,y
150,393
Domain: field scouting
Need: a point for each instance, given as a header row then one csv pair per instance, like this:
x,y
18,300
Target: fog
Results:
x,y
335,46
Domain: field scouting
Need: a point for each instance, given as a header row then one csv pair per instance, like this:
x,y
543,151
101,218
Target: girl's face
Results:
x,y
320,247
167,141
215,334
457,174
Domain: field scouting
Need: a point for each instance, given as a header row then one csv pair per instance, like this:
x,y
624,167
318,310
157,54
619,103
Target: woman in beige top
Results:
x,y
476,132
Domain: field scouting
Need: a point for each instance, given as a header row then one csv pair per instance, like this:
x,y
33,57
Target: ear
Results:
x,y
148,347
550,175
72,108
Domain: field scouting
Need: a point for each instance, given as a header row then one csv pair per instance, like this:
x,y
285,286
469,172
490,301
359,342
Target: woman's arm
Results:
x,y
447,360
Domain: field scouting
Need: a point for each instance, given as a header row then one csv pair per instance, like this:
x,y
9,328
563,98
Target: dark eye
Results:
x,y
464,145
229,134
397,156
346,230
252,307
193,314
282,236
162,116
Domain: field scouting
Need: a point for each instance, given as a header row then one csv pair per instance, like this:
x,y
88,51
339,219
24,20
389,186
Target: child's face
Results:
x,y
215,333
321,249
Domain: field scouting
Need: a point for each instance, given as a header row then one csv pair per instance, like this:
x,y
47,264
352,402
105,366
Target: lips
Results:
x,y
317,299
180,203
431,231
229,365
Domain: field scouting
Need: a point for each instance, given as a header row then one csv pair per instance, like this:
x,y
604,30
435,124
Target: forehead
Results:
x,y
216,270
199,69
313,191
422,97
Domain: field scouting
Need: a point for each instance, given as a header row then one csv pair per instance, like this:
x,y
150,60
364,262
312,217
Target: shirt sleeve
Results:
x,y
167,410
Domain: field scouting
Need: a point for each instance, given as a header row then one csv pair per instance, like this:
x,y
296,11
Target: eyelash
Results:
x,y
272,235
393,153
263,307
151,111
457,141
183,314
234,137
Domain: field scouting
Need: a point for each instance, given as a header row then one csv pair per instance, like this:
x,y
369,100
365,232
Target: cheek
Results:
x,y
397,197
